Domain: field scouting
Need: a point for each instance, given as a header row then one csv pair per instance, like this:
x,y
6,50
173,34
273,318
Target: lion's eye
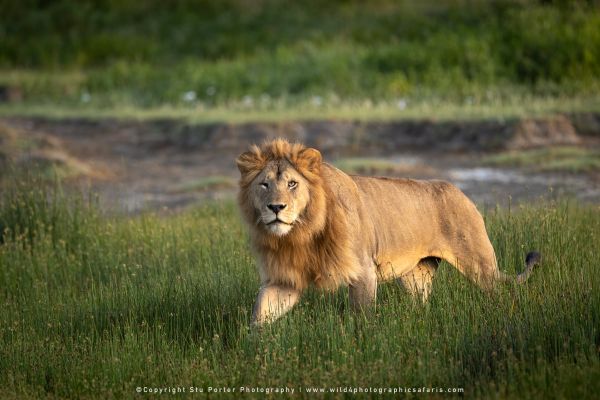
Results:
x,y
292,184
265,185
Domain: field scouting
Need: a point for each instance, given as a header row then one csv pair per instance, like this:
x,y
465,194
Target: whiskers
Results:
x,y
265,218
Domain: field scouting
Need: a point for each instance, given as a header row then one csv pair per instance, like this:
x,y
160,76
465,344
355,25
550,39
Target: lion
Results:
x,y
312,224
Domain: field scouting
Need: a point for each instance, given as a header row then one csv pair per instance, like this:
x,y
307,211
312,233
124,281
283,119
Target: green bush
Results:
x,y
149,53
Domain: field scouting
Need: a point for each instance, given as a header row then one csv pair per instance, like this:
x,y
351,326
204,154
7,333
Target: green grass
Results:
x,y
567,158
270,55
366,166
514,106
213,182
94,306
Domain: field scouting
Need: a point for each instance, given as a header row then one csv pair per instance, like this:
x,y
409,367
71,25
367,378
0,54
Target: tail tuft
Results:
x,y
533,258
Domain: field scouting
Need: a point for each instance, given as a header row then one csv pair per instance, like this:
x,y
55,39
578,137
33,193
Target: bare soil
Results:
x,y
138,165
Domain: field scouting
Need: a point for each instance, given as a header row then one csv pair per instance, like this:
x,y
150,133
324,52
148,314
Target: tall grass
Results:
x,y
96,305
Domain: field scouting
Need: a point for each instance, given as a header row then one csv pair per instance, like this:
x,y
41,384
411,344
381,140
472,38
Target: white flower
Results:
x,y
247,101
189,96
86,97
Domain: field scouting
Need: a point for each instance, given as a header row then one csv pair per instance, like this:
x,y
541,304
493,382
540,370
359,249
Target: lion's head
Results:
x,y
280,189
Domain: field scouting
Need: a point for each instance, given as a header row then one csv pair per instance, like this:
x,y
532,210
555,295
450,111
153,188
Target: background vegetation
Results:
x,y
94,306
279,54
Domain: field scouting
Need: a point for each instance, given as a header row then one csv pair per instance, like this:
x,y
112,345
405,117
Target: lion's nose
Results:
x,y
276,207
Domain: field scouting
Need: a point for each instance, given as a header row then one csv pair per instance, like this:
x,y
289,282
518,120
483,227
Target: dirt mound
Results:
x,y
41,152
531,133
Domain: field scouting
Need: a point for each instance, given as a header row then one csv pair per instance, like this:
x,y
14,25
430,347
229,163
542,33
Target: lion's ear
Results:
x,y
310,159
248,161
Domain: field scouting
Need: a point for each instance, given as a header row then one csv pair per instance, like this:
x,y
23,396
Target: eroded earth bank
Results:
x,y
150,164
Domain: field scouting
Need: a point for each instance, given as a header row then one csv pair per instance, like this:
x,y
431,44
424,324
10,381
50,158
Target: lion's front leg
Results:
x,y
272,302
363,292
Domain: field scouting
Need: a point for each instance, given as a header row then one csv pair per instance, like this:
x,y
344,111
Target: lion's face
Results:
x,y
281,191
279,195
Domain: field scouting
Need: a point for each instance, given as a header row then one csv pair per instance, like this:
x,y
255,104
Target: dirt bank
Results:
x,y
140,164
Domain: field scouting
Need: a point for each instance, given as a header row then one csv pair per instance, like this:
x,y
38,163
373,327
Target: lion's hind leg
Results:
x,y
475,259
419,280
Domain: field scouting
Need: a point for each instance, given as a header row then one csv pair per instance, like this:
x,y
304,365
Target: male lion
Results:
x,y
313,224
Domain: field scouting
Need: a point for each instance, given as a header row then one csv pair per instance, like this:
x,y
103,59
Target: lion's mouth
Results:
x,y
278,221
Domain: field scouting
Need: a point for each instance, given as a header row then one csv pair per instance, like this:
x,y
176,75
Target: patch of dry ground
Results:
x,y
137,165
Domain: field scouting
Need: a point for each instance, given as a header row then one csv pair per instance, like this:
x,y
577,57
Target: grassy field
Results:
x,y
273,55
95,305
566,158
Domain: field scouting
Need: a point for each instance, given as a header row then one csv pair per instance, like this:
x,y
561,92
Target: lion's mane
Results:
x,y
318,249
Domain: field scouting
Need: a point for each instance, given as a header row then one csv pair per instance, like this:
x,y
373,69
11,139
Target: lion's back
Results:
x,y
385,192
416,208
401,213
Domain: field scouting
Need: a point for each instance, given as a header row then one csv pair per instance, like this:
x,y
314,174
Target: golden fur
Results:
x,y
313,224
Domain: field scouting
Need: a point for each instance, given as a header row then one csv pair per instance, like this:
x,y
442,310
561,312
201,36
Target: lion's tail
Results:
x,y
533,258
